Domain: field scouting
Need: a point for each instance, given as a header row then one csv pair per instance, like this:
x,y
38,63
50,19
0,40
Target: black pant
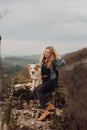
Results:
x,y
44,88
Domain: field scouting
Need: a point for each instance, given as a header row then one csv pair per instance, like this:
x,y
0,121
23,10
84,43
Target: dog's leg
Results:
x,y
32,88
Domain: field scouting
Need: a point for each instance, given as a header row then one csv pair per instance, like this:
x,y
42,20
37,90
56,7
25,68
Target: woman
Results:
x,y
48,62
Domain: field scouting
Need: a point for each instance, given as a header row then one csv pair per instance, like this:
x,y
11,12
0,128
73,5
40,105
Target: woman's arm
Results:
x,y
59,62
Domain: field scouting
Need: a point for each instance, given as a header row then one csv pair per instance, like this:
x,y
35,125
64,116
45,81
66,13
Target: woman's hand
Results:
x,y
59,57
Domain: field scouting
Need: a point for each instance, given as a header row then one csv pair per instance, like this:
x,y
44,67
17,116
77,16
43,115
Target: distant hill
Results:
x,y
76,56
12,64
74,75
22,60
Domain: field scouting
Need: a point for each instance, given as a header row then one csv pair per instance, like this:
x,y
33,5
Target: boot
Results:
x,y
50,106
44,114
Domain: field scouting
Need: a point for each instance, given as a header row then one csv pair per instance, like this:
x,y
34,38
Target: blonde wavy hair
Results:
x,y
53,55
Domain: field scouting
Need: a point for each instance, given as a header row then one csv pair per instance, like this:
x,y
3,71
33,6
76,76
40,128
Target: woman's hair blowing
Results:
x,y
53,55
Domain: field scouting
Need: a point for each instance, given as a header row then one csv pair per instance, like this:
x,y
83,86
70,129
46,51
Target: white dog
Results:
x,y
35,73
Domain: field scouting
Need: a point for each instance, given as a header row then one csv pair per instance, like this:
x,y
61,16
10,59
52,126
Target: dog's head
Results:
x,y
34,69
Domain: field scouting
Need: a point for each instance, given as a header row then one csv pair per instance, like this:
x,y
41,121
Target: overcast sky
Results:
x,y
28,26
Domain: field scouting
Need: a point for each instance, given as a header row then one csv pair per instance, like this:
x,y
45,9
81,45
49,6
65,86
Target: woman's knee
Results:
x,y
37,91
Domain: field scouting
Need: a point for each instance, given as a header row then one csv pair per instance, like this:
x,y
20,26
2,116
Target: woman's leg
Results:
x,y
43,89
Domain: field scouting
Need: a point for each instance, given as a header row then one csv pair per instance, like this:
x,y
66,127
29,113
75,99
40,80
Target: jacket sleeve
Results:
x,y
60,62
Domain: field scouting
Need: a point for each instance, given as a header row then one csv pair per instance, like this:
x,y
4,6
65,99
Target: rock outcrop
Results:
x,y
24,113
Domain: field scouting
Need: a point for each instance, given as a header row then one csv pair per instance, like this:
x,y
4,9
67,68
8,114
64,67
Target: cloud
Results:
x,y
53,21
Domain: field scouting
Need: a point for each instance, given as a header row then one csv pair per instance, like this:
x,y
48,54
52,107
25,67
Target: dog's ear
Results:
x,y
37,66
28,66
